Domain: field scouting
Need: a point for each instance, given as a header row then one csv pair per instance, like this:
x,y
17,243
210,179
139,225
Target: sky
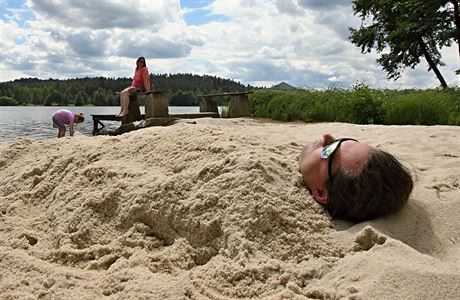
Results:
x,y
304,43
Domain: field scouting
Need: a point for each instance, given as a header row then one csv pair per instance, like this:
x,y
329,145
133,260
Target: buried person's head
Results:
x,y
353,180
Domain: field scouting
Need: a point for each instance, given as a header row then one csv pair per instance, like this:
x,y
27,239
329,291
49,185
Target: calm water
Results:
x,y
35,121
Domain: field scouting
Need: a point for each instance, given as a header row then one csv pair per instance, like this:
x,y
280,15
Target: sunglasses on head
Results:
x,y
328,153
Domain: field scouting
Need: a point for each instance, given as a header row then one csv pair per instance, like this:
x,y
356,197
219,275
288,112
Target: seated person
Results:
x,y
353,180
141,82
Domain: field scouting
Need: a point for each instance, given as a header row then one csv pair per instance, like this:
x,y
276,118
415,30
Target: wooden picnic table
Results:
x,y
238,104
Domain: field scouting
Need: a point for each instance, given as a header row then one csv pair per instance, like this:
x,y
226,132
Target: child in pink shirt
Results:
x,y
64,117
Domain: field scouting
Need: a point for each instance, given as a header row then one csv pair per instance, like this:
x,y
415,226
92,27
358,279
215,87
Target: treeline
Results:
x,y
184,90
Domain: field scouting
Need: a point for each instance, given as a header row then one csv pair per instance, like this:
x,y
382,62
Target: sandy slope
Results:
x,y
216,210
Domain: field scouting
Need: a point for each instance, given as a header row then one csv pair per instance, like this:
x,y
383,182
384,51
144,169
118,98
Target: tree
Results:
x,y
184,88
7,101
456,14
99,97
55,97
80,98
406,30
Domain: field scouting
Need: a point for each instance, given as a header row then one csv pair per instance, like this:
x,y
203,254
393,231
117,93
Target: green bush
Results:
x,y
224,113
423,108
364,108
7,101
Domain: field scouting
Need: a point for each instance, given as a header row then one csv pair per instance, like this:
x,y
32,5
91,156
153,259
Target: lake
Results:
x,y
35,121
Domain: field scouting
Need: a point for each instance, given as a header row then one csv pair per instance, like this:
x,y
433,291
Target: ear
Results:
x,y
321,196
328,139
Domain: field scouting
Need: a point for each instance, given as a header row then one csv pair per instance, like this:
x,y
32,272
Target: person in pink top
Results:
x,y
140,83
63,117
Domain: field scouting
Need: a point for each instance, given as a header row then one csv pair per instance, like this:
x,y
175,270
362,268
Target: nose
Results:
x,y
315,144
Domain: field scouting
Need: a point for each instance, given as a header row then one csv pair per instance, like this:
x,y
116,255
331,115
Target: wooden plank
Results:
x,y
196,115
106,117
227,94
148,93
151,93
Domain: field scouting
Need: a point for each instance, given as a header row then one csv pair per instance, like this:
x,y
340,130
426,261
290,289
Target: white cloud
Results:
x,y
104,14
153,47
289,7
260,42
324,4
85,43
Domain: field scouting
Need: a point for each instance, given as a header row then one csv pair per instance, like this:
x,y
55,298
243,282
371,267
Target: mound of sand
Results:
x,y
217,210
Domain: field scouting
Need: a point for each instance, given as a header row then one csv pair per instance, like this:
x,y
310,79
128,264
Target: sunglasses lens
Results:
x,y
329,149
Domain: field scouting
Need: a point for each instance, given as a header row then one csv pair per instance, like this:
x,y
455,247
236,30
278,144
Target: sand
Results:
x,y
217,210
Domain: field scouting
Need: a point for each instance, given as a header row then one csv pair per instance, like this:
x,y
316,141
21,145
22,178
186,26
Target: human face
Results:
x,y
328,153
140,62
350,155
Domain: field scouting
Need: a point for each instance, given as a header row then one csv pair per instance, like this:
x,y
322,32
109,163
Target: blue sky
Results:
x,y
257,42
199,12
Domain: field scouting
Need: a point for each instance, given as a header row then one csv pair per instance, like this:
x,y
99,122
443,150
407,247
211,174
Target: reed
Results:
x,y
360,105
224,113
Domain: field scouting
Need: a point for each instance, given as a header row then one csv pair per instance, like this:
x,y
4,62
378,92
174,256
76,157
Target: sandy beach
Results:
x,y
217,210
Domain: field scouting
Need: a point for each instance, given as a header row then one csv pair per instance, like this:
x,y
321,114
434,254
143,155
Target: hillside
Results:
x,y
283,86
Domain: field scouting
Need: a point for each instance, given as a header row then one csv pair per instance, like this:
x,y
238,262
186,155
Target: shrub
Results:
x,y
364,108
7,101
224,113
359,105
418,108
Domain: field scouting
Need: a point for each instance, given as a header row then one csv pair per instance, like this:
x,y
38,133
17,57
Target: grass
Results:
x,y
224,113
359,105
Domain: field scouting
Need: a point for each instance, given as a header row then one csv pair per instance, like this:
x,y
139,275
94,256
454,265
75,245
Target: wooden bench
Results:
x,y
238,104
97,121
156,105
156,114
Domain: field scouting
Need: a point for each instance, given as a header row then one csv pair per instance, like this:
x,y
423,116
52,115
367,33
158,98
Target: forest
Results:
x,y
184,90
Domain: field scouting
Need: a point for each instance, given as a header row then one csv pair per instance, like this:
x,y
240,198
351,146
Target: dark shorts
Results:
x,y
58,123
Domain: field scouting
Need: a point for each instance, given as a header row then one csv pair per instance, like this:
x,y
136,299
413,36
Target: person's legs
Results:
x,y
121,100
124,101
57,123
61,132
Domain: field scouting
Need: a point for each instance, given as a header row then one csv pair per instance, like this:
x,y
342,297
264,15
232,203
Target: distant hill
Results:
x,y
283,86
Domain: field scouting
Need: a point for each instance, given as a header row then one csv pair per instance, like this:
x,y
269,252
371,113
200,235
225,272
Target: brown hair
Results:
x,y
79,118
382,187
143,59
